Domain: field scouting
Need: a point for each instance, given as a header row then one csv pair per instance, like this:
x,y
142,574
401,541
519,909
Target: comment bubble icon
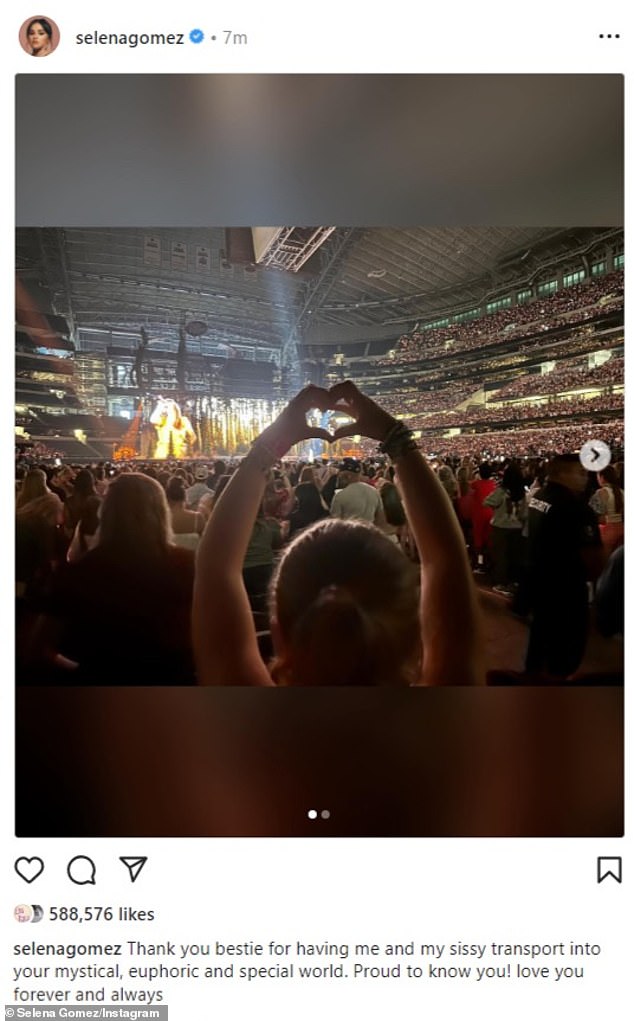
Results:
x,y
81,870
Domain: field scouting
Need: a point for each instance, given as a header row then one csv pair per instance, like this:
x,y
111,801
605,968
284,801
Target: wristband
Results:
x,y
398,441
266,456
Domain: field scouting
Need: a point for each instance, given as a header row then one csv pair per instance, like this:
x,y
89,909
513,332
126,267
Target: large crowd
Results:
x,y
543,443
566,376
575,304
561,346
444,388
579,407
433,403
114,560
544,347
433,397
283,568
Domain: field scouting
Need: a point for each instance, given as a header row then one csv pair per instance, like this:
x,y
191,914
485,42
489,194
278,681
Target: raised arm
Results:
x,y
452,652
224,637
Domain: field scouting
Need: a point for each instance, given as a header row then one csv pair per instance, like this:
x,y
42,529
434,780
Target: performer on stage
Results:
x,y
175,435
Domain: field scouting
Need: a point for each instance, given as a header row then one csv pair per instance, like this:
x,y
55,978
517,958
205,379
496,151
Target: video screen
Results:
x,y
377,467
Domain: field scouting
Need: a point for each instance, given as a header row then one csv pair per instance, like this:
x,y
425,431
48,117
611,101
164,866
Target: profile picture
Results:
x,y
23,913
39,36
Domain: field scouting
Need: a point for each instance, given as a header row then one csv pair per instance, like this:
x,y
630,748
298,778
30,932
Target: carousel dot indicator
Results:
x,y
312,814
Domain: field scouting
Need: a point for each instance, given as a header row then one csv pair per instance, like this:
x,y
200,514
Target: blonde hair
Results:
x,y
34,485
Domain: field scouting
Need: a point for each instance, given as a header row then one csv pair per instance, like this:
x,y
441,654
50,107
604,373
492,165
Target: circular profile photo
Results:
x,y
39,36
23,913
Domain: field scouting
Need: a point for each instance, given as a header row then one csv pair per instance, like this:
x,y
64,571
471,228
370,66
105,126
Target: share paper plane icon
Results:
x,y
134,866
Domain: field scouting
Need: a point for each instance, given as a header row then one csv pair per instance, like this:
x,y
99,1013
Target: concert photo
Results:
x,y
358,462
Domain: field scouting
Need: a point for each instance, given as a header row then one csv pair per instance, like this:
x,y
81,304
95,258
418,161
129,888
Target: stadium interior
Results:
x,y
487,340
493,344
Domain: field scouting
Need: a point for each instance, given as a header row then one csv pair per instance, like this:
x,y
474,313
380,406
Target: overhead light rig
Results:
x,y
289,248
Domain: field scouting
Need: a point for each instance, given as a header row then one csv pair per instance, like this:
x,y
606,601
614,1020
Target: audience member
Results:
x,y
356,499
309,507
480,516
608,504
198,489
121,613
86,534
187,525
39,516
508,502
562,533
344,601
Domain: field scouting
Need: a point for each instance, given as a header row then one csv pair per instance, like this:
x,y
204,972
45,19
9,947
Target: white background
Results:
x,y
314,890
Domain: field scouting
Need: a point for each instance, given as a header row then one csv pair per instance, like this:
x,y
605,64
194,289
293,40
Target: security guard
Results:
x,y
562,532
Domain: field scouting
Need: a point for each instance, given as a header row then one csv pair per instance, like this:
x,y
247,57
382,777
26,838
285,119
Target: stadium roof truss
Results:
x,y
312,286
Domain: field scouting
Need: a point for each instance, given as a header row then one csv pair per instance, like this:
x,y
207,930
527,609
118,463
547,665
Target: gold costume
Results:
x,y
174,432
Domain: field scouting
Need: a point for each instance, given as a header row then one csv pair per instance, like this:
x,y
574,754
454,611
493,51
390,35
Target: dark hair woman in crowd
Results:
x,y
309,507
82,491
259,557
86,533
395,519
186,524
508,503
218,469
346,607
329,488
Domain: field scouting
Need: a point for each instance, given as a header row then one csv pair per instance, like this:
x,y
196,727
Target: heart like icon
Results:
x,y
29,869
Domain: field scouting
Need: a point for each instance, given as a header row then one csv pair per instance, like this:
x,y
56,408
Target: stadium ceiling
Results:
x,y
358,283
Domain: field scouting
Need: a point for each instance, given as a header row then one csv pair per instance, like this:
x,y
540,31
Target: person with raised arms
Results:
x,y
346,607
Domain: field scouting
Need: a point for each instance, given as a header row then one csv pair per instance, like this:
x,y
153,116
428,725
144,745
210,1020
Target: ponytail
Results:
x,y
346,603
333,642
